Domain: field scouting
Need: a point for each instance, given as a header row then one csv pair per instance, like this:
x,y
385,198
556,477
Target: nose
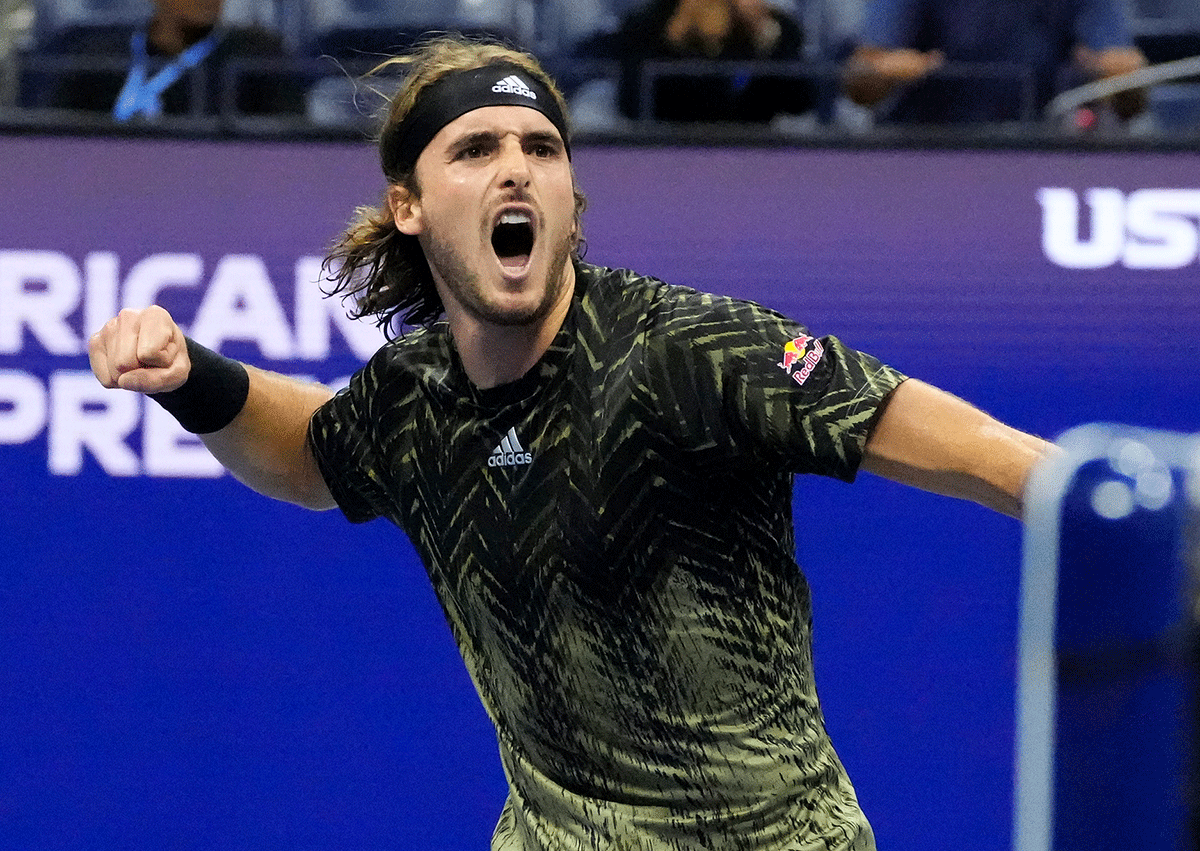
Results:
x,y
513,165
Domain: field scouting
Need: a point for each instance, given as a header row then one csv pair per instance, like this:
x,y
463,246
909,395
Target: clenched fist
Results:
x,y
141,350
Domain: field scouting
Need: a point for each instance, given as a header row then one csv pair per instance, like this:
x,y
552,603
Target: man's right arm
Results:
x,y
265,445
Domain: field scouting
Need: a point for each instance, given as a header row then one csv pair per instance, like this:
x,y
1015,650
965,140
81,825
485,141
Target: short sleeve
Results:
x,y
343,439
747,385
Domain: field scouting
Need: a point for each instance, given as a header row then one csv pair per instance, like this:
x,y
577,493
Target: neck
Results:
x,y
172,36
494,354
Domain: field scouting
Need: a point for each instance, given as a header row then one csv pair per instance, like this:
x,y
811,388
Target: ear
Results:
x,y
406,210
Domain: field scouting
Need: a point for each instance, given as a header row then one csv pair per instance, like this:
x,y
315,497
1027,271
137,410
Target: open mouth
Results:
x,y
512,240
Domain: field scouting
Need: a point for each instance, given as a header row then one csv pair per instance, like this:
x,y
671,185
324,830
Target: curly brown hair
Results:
x,y
383,270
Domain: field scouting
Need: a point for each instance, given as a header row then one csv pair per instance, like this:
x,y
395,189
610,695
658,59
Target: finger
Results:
x,y
159,339
98,355
149,380
156,379
122,348
114,330
162,361
138,380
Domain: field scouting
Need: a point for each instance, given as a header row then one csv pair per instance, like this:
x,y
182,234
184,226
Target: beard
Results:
x,y
464,284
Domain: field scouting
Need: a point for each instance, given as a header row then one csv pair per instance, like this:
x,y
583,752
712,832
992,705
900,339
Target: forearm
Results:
x,y
254,422
1001,489
932,440
266,445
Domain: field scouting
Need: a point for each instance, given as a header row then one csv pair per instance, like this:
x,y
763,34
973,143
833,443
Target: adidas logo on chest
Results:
x,y
510,452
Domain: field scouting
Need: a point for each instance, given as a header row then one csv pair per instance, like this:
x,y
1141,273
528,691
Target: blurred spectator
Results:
x,y
840,23
717,30
174,64
1058,43
16,20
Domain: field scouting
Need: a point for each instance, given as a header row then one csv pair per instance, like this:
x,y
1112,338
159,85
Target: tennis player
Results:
x,y
596,469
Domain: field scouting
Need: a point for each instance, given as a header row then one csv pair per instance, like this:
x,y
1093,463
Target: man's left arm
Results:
x,y
935,441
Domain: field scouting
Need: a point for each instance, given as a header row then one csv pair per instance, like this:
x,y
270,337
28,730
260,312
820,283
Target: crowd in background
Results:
x,y
798,65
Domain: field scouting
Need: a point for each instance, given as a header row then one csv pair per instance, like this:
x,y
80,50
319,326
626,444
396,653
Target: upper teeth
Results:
x,y
514,219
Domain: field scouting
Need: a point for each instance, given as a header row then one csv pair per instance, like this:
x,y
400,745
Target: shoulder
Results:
x,y
618,298
414,348
603,285
678,323
399,375
662,305
419,357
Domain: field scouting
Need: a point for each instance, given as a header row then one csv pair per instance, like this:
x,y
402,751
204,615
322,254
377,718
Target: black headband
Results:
x,y
457,93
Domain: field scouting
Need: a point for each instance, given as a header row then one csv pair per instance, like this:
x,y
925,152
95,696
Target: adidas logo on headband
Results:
x,y
514,85
457,93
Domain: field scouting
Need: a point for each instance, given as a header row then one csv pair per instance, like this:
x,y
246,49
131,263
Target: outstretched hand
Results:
x,y
140,350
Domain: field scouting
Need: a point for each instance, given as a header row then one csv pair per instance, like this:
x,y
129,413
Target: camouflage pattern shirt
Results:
x,y
610,538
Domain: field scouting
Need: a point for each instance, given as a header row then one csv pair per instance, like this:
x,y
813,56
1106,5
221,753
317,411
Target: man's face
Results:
x,y
495,216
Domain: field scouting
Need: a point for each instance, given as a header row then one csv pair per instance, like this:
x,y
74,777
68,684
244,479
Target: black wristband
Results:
x,y
214,393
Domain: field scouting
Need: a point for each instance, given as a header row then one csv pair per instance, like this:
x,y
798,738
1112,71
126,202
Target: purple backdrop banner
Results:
x,y
184,664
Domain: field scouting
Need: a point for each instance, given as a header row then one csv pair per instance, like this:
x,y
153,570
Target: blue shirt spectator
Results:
x,y
175,63
960,61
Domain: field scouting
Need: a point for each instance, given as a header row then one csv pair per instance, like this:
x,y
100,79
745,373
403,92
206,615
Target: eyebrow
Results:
x,y
491,137
544,137
478,138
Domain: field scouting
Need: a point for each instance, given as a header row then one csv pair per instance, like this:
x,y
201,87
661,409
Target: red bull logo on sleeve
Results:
x,y
804,352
